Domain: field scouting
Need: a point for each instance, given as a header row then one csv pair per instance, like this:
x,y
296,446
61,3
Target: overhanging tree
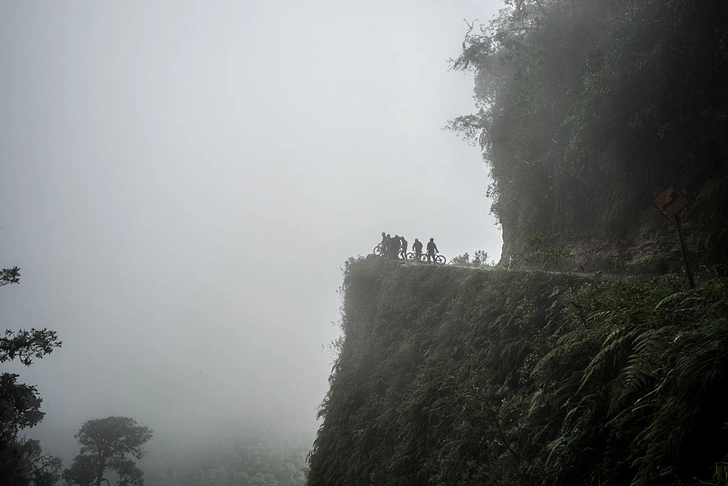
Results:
x,y
108,444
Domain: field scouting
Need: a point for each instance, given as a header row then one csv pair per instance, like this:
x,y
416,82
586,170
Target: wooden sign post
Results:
x,y
670,202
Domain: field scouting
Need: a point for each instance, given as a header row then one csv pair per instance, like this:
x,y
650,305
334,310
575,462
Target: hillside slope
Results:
x,y
452,375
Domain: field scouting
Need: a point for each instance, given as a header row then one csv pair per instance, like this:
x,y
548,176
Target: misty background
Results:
x,y
182,182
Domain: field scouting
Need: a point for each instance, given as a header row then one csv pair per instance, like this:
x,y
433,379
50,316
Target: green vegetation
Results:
x,y
451,375
480,259
106,446
587,109
22,462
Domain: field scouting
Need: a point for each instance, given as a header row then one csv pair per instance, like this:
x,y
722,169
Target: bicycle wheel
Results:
x,y
440,260
410,257
377,250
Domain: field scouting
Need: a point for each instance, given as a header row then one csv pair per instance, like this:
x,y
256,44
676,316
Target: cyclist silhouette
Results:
x,y
431,250
417,247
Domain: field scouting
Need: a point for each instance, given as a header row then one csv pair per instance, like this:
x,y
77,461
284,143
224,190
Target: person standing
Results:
x,y
403,247
431,250
417,247
387,246
396,245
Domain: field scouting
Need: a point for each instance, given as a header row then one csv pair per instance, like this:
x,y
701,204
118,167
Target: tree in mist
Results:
x,y
106,445
21,460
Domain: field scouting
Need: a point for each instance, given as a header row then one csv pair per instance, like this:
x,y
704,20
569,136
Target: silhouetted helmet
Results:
x,y
432,239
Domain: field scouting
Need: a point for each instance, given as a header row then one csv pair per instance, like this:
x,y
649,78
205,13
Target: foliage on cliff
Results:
x,y
587,109
466,376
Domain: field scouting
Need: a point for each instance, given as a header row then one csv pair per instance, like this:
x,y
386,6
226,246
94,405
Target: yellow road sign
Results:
x,y
670,201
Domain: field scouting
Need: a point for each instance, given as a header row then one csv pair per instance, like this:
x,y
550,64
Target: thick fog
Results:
x,y
181,183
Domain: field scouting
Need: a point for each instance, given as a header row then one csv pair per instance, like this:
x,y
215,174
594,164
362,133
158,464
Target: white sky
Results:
x,y
181,182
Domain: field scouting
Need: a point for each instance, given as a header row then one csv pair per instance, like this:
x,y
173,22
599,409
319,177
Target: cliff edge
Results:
x,y
453,375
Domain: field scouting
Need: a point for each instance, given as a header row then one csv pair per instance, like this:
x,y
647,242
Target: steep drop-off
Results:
x,y
453,375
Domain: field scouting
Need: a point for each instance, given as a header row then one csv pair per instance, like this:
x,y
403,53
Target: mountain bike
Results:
x,y
378,252
439,259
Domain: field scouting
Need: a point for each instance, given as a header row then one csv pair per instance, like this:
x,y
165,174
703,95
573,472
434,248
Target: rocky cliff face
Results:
x,y
651,247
